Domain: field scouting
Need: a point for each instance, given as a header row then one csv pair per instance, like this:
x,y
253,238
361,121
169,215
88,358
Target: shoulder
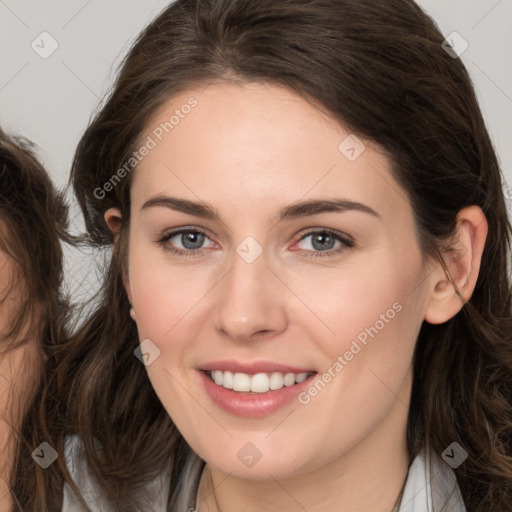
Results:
x,y
431,486
90,491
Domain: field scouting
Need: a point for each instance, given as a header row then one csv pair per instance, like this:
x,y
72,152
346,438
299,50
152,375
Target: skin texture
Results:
x,y
17,373
248,150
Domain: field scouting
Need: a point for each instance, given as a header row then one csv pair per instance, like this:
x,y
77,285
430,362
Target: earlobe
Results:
x,y
462,267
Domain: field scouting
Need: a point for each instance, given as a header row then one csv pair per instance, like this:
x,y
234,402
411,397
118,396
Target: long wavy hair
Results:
x,y
380,69
34,217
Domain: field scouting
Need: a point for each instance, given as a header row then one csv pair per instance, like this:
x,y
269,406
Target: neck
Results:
x,y
370,476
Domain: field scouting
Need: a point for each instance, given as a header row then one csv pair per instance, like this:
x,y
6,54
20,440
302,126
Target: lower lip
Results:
x,y
252,405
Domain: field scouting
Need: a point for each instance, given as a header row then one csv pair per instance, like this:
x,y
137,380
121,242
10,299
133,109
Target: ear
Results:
x,y
113,219
463,265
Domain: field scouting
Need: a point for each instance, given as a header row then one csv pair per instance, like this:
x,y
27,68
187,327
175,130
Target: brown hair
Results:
x,y
379,68
34,219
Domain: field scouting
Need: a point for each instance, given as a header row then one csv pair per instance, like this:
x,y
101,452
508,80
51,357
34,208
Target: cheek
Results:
x,y
167,300
377,297
370,319
161,293
367,361
160,305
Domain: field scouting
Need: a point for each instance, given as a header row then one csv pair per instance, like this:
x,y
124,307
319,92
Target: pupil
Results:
x,y
192,240
319,241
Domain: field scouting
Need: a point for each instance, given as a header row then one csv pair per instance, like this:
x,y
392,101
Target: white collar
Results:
x,y
431,490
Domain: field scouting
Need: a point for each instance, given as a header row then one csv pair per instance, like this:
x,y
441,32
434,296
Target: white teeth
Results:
x,y
260,383
289,379
241,382
301,377
227,380
257,383
276,381
218,378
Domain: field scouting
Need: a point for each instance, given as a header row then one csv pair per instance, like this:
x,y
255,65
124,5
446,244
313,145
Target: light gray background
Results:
x,y
51,100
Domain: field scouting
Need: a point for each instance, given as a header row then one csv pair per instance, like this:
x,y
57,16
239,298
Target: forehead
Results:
x,y
259,141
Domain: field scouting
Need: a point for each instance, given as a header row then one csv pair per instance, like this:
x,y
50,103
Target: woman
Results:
x,y
307,304
33,216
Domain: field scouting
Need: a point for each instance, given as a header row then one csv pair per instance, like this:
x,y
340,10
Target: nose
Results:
x,y
251,301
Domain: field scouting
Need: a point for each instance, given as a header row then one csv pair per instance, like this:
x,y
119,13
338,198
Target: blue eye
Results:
x,y
190,242
325,242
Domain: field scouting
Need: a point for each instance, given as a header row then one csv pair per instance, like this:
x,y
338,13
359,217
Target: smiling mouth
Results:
x,y
257,383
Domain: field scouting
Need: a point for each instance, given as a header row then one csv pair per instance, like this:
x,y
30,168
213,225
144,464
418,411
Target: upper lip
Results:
x,y
253,367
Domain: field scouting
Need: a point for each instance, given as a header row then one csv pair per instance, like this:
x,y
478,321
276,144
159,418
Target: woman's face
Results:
x,y
269,285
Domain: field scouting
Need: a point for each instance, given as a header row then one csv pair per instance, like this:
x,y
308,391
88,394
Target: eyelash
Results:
x,y
346,242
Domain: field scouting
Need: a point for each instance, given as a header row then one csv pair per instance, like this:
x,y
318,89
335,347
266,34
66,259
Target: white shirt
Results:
x,y
440,493
421,494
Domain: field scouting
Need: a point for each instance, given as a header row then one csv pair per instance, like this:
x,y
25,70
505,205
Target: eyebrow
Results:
x,y
294,210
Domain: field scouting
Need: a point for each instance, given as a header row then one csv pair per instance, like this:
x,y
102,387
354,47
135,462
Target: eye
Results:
x,y
315,243
324,242
185,242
